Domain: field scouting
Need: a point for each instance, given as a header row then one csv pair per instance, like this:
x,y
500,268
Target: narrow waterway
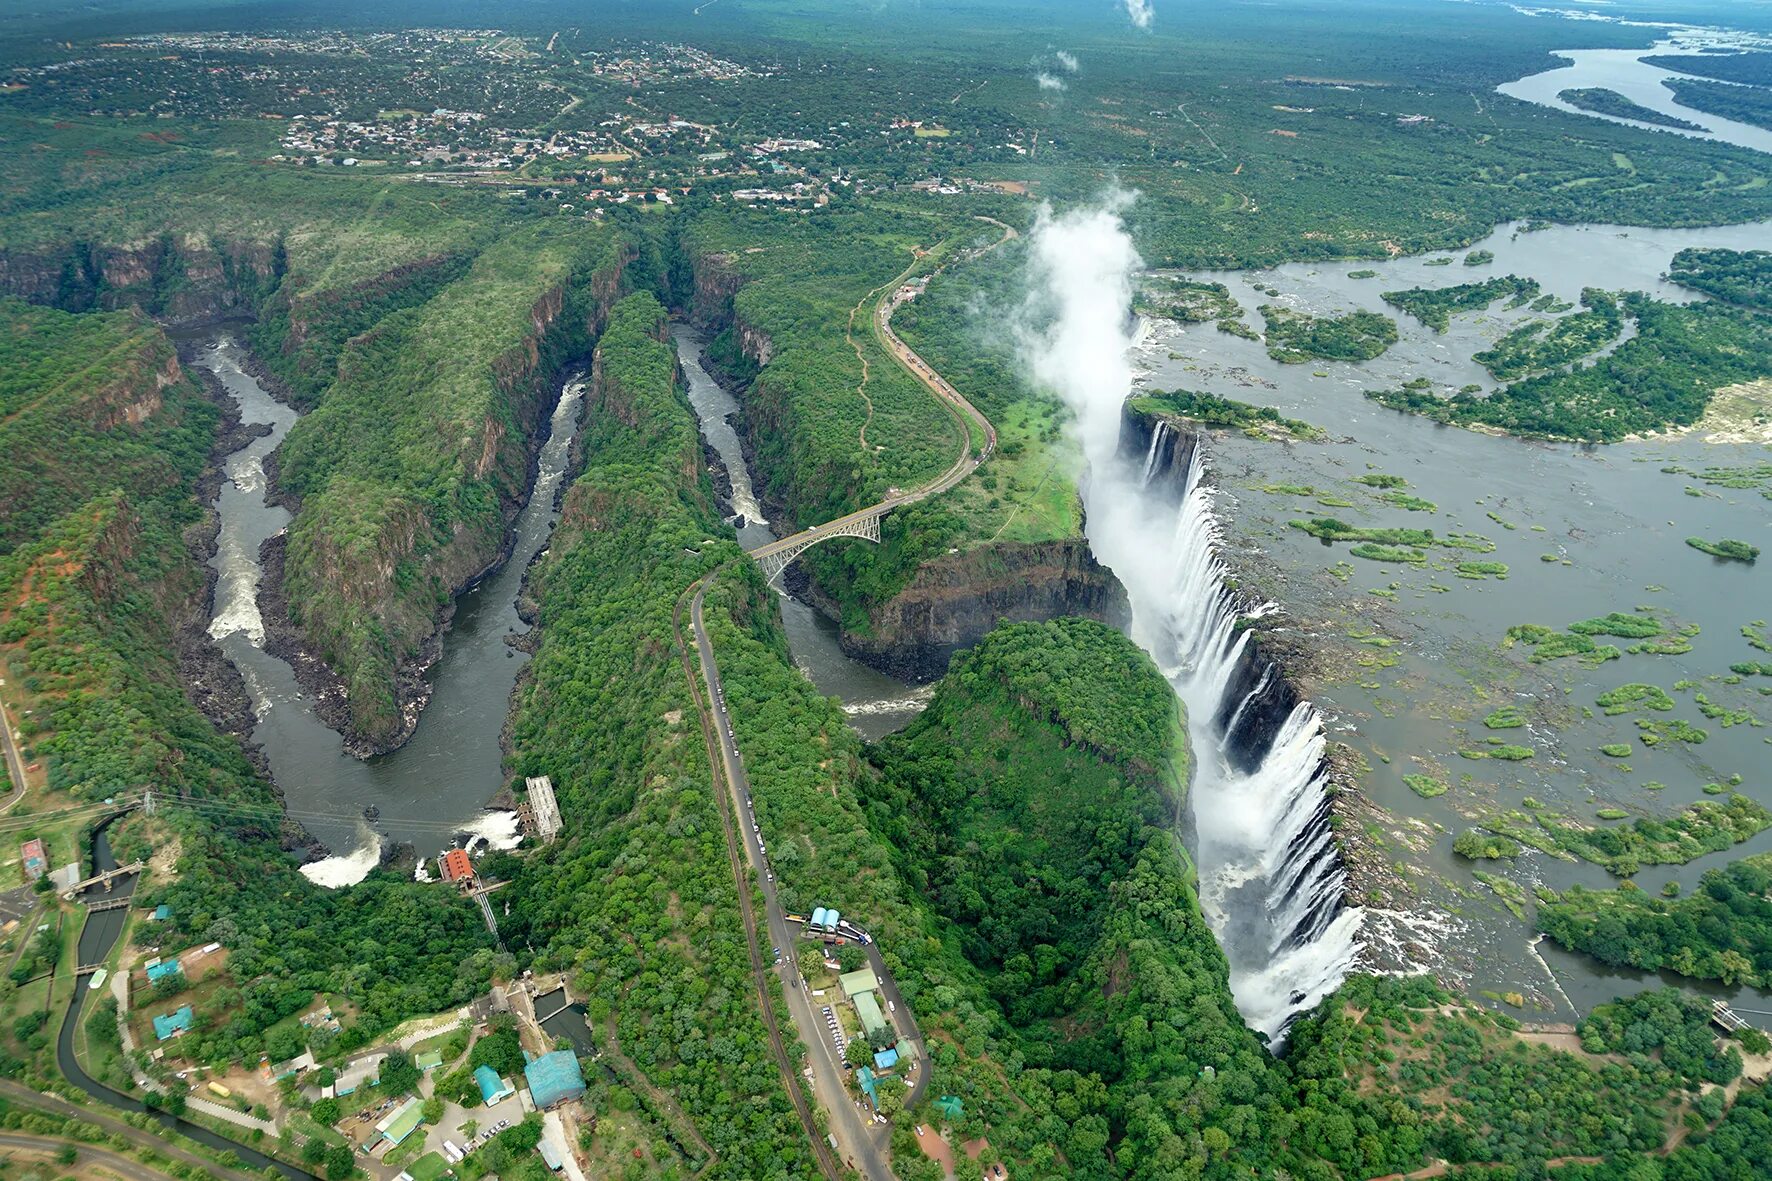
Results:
x,y
875,703
433,790
97,938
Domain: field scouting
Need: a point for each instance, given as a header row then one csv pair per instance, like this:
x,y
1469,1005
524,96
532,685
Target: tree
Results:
x,y
326,1112
339,1164
810,959
432,1110
850,957
398,1073
857,1053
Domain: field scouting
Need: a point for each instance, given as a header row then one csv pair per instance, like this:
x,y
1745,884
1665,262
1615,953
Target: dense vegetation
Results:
x,y
1742,104
1295,337
91,600
636,898
1728,547
1546,344
1601,101
1754,69
1661,377
408,467
1722,931
1738,276
1707,826
1211,410
1435,306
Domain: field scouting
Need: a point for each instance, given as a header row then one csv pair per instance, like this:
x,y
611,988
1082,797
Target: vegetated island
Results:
x,y
1600,101
1742,104
1665,376
1723,931
1708,826
1210,410
1737,276
1296,337
1728,548
1755,69
1435,306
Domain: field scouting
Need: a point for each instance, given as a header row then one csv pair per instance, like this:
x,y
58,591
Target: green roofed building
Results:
x,y
428,1061
401,1122
868,1009
859,981
950,1107
554,1078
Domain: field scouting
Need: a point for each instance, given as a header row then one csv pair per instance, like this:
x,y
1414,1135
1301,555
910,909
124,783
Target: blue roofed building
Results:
x,y
492,1088
554,1078
161,969
174,1023
886,1059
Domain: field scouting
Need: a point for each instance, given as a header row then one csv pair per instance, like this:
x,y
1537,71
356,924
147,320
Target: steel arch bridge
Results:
x,y
779,555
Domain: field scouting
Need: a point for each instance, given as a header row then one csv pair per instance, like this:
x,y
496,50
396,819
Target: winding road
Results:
x,y
964,412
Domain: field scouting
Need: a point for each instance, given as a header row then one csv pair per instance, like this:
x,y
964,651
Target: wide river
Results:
x,y
1624,71
1415,655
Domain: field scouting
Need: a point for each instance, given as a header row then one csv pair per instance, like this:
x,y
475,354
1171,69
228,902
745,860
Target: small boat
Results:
x,y
98,979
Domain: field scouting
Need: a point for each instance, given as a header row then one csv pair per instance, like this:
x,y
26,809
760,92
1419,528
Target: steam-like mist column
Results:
x,y
1271,877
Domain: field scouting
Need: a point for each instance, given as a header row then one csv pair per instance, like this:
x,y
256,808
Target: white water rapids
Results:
x,y
1271,877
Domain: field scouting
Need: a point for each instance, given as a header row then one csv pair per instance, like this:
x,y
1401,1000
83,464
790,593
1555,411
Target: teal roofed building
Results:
x,y
870,1086
174,1023
162,969
950,1107
554,1078
492,1088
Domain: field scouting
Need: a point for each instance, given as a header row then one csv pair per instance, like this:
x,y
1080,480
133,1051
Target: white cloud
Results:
x,y
1049,81
1068,60
1140,11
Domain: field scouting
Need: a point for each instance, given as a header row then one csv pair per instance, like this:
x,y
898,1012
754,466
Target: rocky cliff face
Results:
x,y
414,562
182,280
953,601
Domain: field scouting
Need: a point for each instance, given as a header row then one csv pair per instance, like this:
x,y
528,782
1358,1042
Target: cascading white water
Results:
x,y
1271,877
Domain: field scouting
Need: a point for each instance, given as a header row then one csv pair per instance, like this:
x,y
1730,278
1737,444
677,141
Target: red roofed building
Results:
x,y
456,865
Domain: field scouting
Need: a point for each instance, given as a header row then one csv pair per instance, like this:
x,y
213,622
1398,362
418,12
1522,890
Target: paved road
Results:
x,y
719,736
55,1105
862,1143
15,763
89,1154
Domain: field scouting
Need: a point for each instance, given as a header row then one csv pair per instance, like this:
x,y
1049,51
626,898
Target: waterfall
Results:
x,y
1150,456
1271,876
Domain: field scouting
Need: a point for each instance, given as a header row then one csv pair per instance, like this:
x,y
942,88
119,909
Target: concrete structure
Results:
x,y
857,982
364,1072
174,1023
554,1078
493,1089
400,1122
276,1072
455,865
544,809
35,859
